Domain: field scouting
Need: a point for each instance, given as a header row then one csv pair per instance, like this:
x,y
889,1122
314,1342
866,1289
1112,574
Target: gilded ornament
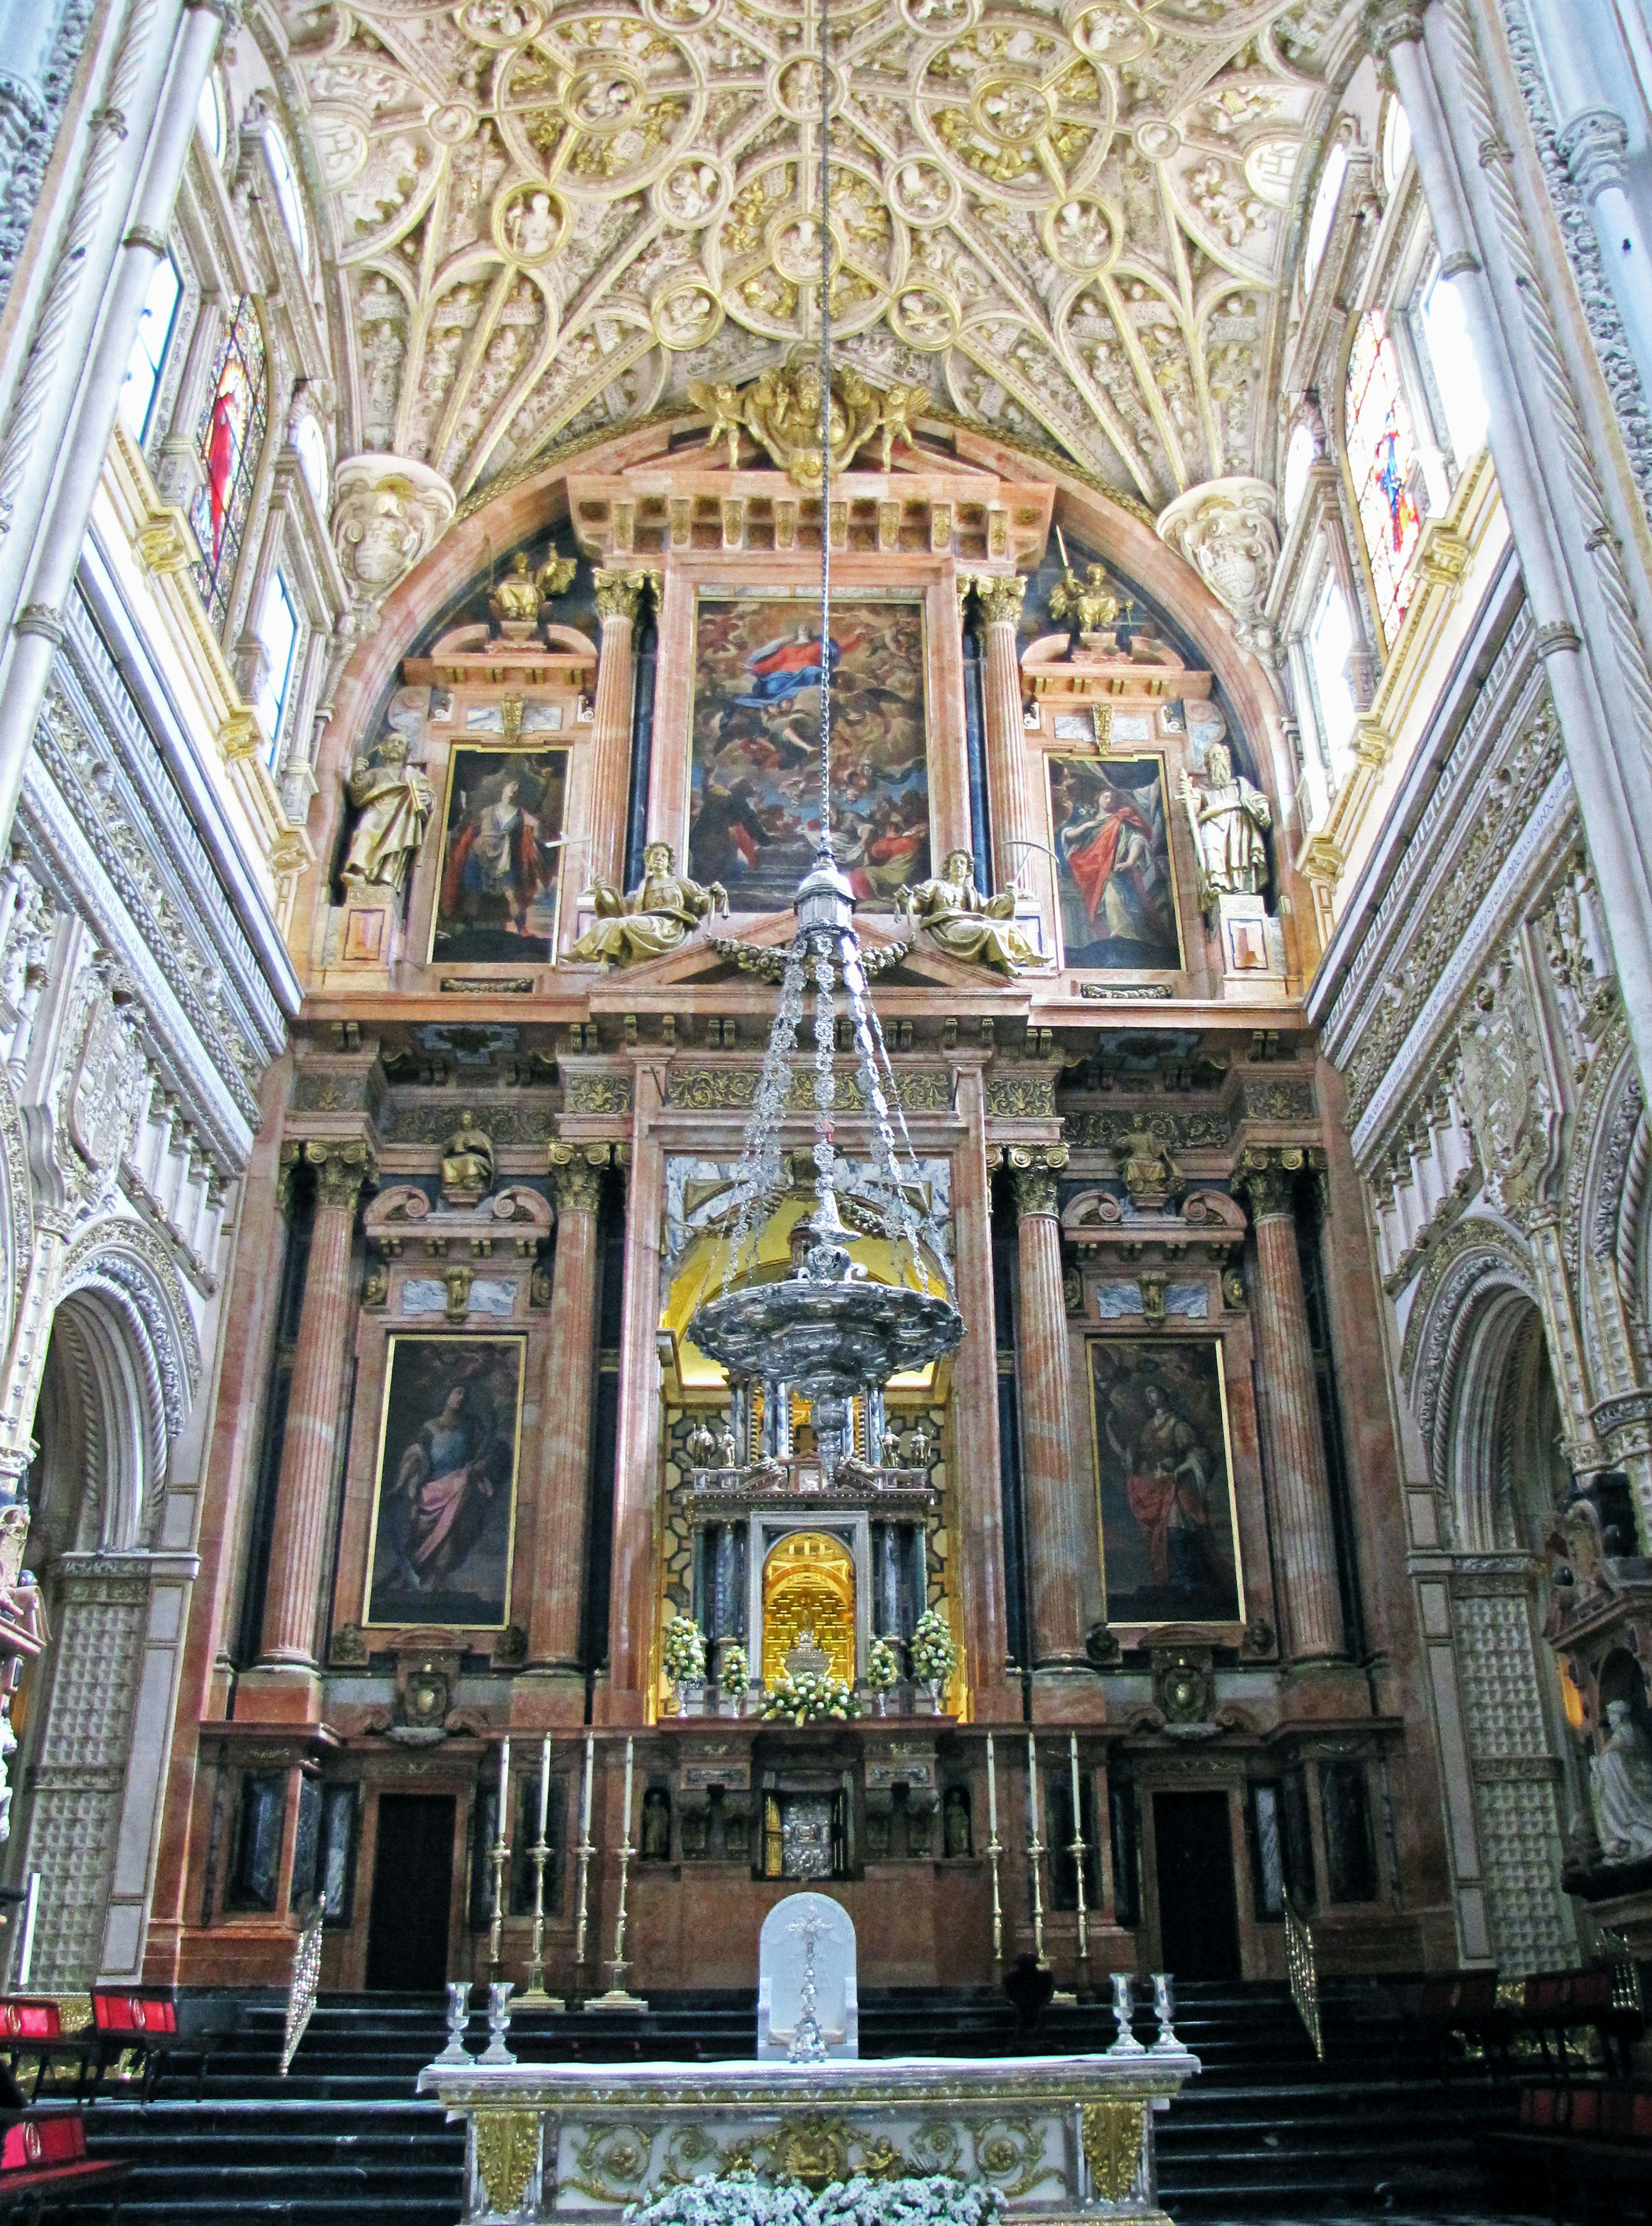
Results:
x,y
515,600
978,931
1088,605
467,1162
598,1093
656,916
1112,2135
619,593
1020,1097
781,411
507,2150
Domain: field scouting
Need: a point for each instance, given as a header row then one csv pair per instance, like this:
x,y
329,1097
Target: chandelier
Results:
x,y
827,1329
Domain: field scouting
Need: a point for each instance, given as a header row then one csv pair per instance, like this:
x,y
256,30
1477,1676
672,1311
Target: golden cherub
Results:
x,y
722,403
556,576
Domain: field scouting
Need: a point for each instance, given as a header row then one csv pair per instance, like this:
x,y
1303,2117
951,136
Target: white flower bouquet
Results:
x,y
934,1655
808,1698
741,2199
685,1651
736,1674
882,1666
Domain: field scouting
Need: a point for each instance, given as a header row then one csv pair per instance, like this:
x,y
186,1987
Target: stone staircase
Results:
x,y
1266,2133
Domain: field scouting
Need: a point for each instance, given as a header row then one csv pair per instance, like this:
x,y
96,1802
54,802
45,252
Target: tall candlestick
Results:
x,y
544,1784
993,1851
617,1998
625,1822
536,1996
1078,1849
586,1852
1034,1844
500,1850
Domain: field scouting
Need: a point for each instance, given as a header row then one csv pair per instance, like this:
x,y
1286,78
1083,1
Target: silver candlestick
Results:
x,y
1123,2010
1164,2008
458,2019
808,2046
499,2023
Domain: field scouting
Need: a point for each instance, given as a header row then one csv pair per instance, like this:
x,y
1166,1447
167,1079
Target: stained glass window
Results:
x,y
230,437
1381,451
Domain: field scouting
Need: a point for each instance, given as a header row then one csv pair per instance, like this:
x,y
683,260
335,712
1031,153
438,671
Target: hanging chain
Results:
x,y
825,433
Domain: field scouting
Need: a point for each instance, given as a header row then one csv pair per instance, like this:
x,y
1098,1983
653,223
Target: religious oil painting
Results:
x,y
754,809
1164,1474
1114,873
444,1510
501,858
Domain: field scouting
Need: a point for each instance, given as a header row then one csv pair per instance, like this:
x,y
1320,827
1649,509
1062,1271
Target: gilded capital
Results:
x,y
344,1167
619,593
1268,1179
1036,1170
576,1175
1000,597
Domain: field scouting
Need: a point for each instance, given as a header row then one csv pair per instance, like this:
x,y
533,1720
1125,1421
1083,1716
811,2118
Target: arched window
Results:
x,y
1382,453
231,440
1299,462
311,444
287,192
154,336
209,117
1396,144
1324,207
1457,371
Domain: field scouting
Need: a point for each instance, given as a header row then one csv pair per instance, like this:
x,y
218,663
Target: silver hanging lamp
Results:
x,y
827,1329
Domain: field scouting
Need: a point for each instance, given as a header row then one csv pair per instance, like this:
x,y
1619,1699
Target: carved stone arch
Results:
x,y
1477,1260
127,1256
1607,1198
103,1479
16,1205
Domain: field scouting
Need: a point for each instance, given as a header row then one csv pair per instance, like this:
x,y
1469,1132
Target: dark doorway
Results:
x,y
1199,1914
407,1931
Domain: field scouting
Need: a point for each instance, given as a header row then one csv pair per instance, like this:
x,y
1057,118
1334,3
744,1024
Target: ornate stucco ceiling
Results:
x,y
1069,221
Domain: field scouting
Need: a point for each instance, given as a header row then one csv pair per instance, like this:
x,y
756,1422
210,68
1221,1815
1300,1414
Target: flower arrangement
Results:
x,y
685,1651
882,1666
741,2199
736,1673
809,1697
934,1655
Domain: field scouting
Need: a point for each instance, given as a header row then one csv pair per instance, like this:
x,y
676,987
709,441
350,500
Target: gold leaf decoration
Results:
x,y
508,2149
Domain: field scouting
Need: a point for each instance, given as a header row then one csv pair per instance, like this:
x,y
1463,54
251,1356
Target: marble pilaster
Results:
x,y
999,601
975,1461
1304,1533
566,1405
636,1486
308,1453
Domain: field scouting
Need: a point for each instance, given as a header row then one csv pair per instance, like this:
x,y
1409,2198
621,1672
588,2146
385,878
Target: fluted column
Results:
x,y
1060,1517
1000,601
636,1486
1304,1536
565,1408
619,594
307,1447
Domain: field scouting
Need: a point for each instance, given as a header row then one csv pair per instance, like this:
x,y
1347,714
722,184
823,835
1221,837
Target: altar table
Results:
x,y
1065,2139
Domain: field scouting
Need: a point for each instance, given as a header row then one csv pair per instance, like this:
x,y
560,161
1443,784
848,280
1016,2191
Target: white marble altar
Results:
x,y
1064,2138
786,1955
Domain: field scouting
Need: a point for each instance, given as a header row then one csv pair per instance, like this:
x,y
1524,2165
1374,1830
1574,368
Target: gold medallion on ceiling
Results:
x,y
529,223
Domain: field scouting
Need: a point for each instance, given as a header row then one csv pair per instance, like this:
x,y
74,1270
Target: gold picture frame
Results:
x,y
1101,810
481,942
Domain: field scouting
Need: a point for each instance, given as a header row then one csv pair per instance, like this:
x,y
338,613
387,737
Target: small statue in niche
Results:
x,y
956,1826
657,1825
918,1452
891,1446
515,600
467,1161
980,931
1228,817
727,1451
1620,1786
395,801
659,913
700,1446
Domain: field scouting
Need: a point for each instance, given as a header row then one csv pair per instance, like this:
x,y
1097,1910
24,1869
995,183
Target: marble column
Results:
x,y
308,1450
619,596
636,1484
1062,1551
975,1454
1305,1536
999,601
565,1409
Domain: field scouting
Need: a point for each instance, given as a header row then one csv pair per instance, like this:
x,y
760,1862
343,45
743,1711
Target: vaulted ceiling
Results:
x,y
1068,221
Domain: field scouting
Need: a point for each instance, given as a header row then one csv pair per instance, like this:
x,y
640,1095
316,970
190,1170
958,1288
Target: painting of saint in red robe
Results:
x,y
1113,869
1163,1473
754,802
445,1508
501,858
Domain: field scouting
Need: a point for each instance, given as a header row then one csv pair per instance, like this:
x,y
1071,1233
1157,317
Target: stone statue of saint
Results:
x,y
891,1446
981,931
658,914
1228,818
467,1161
516,596
395,801
1620,1785
701,1445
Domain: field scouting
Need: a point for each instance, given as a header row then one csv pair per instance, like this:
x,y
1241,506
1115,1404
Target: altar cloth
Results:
x,y
1062,2138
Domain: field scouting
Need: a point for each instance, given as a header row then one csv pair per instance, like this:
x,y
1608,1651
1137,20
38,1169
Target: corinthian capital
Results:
x,y
1390,23
1000,595
1268,1177
344,1168
619,593
576,1175
1036,1170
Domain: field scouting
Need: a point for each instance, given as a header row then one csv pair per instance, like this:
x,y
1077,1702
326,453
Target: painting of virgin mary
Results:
x,y
444,1511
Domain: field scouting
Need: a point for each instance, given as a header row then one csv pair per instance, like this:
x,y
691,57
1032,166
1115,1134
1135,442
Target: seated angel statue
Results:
x,y
979,929
655,918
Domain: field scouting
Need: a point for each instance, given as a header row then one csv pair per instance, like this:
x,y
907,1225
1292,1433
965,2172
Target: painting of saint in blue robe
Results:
x,y
754,807
445,1508
1113,869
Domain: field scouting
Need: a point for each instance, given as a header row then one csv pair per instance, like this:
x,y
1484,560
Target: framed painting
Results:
x,y
444,1501
754,780
500,874
1115,877
1164,1481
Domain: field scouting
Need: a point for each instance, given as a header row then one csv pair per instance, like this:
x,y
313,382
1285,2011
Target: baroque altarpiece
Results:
x,y
1146,1496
